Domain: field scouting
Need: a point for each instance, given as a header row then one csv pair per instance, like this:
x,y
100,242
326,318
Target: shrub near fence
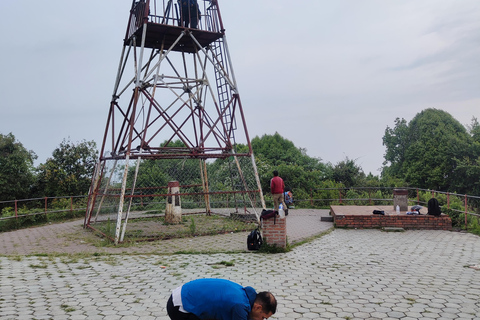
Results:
x,y
362,196
17,214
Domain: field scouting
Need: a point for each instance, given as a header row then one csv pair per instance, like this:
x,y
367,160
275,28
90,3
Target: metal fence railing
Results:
x,y
15,209
466,207
171,13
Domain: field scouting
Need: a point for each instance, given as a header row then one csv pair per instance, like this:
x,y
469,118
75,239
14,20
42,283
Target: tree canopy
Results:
x,y
348,173
277,150
425,152
16,169
69,171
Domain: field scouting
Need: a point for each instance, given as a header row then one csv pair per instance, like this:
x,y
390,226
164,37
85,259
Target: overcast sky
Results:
x,y
328,75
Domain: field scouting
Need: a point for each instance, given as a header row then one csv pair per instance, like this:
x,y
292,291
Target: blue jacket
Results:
x,y
218,299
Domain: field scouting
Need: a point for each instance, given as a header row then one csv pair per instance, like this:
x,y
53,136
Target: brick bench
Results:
x,y
363,218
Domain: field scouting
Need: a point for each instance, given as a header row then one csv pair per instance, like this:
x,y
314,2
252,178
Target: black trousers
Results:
x,y
175,314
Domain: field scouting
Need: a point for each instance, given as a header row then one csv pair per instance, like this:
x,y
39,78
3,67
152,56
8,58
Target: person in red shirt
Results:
x,y
277,187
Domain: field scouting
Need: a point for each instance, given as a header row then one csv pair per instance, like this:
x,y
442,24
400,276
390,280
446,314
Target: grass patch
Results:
x,y
268,248
67,308
38,266
155,228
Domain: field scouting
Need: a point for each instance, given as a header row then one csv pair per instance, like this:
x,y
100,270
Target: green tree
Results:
x,y
474,129
16,169
69,171
396,141
348,173
277,150
465,178
157,173
424,153
299,171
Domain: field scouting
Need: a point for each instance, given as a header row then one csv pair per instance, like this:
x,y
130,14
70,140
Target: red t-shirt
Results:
x,y
277,185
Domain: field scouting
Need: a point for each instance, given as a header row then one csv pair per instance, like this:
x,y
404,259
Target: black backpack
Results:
x,y
254,240
434,207
268,214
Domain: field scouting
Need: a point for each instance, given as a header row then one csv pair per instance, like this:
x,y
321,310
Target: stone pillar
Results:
x,y
274,231
173,210
400,198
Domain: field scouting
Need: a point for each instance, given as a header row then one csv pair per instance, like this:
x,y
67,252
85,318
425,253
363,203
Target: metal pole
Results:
x,y
131,199
204,175
122,199
105,190
257,179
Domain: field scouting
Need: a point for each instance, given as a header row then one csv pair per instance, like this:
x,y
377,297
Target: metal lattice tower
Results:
x,y
175,98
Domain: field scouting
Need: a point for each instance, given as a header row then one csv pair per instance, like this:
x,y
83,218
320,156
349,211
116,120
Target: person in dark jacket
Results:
x,y
190,13
219,299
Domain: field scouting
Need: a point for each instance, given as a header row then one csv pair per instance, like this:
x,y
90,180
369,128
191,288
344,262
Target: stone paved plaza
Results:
x,y
345,274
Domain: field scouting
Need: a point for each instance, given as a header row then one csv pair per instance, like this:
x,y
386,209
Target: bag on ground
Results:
x,y
254,240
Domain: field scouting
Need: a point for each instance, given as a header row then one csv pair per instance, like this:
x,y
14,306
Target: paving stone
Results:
x,y
358,274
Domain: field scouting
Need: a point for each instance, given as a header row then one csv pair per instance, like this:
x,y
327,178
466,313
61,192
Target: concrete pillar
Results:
x,y
274,231
173,210
400,198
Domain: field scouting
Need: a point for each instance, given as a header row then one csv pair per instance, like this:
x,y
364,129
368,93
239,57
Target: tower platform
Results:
x,y
159,35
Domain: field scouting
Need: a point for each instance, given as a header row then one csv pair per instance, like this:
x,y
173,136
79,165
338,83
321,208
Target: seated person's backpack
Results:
x,y
288,197
254,240
434,207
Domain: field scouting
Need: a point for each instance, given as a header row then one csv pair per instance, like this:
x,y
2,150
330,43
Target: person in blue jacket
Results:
x,y
219,299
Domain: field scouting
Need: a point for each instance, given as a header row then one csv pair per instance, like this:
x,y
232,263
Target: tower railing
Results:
x,y
169,13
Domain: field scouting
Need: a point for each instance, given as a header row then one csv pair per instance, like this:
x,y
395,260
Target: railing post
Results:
x,y
418,197
311,198
448,200
16,209
340,195
466,213
370,196
46,208
71,204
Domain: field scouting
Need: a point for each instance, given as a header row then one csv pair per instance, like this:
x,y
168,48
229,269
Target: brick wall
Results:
x,y
396,221
275,232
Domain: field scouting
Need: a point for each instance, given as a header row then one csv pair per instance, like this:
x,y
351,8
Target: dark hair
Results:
x,y
267,301
275,173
